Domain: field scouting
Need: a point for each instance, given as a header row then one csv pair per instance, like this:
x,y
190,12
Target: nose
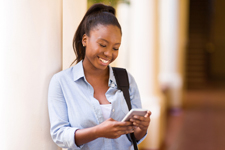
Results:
x,y
108,53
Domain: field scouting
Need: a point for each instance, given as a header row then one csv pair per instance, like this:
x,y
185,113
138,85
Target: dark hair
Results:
x,y
96,14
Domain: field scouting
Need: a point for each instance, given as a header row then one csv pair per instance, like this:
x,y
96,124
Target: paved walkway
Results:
x,y
201,125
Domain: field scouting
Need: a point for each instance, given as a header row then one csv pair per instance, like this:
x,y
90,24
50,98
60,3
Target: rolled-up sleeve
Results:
x,y
61,131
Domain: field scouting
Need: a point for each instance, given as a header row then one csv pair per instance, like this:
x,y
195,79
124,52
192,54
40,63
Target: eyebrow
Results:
x,y
108,41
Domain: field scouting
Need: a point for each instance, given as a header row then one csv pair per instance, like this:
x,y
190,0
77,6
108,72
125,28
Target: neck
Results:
x,y
91,71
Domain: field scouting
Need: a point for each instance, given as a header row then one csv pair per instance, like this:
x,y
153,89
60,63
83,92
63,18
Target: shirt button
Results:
x,y
113,110
113,85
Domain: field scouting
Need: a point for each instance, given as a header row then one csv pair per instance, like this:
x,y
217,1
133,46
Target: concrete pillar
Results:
x,y
169,77
144,66
172,46
73,12
30,53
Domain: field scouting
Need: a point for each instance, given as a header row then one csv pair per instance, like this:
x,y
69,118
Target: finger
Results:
x,y
125,131
139,123
129,131
143,127
139,118
127,123
148,114
126,128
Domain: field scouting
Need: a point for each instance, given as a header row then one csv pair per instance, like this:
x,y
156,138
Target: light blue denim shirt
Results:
x,y
72,106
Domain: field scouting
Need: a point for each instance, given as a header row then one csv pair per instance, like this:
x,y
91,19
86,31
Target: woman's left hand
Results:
x,y
141,123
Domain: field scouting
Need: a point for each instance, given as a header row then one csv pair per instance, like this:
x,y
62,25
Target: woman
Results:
x,y
85,106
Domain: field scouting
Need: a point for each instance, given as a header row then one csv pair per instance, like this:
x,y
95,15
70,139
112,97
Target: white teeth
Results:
x,y
104,61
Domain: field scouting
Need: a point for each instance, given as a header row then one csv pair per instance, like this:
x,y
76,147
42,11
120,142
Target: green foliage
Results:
x,y
107,2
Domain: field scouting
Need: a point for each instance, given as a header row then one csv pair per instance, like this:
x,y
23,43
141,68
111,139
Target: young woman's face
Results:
x,y
102,46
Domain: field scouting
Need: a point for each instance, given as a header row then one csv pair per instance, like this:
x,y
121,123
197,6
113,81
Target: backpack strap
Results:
x,y
123,84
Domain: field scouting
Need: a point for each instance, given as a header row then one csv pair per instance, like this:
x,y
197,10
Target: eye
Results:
x,y
102,45
115,49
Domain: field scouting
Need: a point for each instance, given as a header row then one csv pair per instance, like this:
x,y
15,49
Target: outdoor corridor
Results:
x,y
201,125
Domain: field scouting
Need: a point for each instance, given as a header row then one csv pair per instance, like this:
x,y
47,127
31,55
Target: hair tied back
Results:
x,y
99,8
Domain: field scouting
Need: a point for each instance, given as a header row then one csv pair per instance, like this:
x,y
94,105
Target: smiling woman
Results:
x,y
96,15
85,106
101,46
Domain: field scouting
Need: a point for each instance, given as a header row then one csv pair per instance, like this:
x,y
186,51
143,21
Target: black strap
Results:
x,y
123,84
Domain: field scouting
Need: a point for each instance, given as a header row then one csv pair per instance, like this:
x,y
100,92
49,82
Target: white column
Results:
x,y
170,77
30,53
144,66
142,45
123,16
73,12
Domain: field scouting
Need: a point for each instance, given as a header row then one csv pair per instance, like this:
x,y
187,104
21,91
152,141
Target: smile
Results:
x,y
103,60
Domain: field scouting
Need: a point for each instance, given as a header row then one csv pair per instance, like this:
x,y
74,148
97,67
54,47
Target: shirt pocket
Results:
x,y
119,107
123,104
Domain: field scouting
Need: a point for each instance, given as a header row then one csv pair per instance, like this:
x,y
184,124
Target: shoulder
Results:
x,y
63,75
130,77
132,82
73,73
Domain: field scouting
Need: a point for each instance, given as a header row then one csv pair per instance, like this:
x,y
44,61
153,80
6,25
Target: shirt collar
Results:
x,y
112,80
78,72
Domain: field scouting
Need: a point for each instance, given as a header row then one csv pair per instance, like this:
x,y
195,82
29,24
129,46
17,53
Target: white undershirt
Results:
x,y
106,110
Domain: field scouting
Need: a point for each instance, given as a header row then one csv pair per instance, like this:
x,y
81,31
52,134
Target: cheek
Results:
x,y
87,51
115,54
91,47
90,51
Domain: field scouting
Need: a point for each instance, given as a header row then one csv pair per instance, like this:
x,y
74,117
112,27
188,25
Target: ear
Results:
x,y
84,40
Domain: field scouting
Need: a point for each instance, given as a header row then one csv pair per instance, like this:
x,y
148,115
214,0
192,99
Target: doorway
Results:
x,y
205,63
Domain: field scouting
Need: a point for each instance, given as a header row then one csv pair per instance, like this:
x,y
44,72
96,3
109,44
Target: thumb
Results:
x,y
110,119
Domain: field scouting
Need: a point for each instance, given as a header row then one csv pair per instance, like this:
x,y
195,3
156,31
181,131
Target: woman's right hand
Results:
x,y
109,129
114,129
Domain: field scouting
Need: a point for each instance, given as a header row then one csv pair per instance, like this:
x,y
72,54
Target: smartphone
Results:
x,y
133,112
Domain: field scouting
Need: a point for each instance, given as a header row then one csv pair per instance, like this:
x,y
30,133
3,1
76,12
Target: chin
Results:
x,y
100,66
